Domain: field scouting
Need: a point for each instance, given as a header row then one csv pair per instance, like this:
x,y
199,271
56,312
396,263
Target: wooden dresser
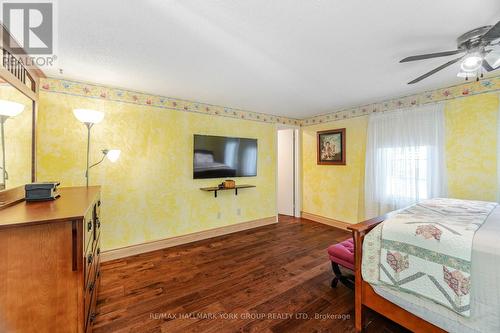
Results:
x,y
49,263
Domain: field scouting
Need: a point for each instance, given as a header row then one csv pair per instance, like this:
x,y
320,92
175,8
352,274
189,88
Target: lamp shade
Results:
x,y
88,116
113,155
10,109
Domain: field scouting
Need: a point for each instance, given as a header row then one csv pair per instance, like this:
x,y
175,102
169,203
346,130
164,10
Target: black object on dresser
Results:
x,y
41,191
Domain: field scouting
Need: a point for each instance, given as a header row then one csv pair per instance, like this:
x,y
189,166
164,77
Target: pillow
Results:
x,y
203,158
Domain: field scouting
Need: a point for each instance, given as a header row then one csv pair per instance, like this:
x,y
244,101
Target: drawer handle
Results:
x,y
92,317
98,250
89,225
99,203
90,258
98,223
91,286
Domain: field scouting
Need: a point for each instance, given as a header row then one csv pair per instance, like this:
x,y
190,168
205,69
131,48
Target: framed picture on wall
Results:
x,y
331,147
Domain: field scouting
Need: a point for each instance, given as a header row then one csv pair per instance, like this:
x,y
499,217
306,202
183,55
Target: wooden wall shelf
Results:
x,y
215,189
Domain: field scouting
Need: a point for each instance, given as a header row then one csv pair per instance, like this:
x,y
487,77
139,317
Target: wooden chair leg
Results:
x,y
339,276
336,270
347,282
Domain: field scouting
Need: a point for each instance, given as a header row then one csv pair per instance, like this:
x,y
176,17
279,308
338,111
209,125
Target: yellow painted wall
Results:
x,y
337,192
150,194
17,139
471,147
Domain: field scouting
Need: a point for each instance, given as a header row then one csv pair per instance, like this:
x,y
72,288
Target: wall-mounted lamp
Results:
x,y
7,109
89,118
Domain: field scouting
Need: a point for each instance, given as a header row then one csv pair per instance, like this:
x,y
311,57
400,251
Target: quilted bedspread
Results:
x,y
426,250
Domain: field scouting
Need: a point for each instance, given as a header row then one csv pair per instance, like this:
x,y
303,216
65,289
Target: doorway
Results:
x,y
287,171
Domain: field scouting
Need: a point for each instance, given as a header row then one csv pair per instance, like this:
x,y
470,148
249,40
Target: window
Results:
x,y
404,158
407,173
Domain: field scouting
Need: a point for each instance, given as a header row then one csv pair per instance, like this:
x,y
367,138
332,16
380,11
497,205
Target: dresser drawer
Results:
x,y
92,250
98,207
97,218
91,285
91,314
97,257
90,276
89,265
97,227
88,230
97,245
90,305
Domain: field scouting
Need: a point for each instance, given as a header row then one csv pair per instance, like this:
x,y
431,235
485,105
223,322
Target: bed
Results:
x,y
205,166
422,315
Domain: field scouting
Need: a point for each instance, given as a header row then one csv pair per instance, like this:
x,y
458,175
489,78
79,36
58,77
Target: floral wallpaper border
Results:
x,y
488,85
90,90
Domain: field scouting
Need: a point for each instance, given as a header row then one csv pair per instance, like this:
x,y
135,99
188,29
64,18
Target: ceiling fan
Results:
x,y
480,50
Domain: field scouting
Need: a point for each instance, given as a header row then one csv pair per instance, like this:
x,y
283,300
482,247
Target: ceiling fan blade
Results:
x,y
487,66
491,61
435,70
431,55
493,33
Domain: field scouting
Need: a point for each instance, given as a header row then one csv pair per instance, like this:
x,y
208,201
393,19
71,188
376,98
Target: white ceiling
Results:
x,y
295,58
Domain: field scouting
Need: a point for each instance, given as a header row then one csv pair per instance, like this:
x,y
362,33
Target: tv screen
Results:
x,y
220,157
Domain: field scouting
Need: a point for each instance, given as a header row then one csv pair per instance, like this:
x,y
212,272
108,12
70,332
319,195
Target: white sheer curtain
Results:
x,y
405,158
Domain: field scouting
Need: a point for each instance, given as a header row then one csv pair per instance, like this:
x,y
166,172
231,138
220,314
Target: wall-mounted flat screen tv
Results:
x,y
221,157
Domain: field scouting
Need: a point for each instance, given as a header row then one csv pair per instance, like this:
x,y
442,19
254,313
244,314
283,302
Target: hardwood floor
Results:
x,y
269,279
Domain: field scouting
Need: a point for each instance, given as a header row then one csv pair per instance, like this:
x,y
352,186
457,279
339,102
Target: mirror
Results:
x,y
16,123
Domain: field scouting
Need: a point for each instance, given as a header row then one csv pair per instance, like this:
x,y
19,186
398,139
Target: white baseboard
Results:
x,y
326,220
184,239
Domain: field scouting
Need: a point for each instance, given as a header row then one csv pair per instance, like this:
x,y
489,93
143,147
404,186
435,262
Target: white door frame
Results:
x,y
297,168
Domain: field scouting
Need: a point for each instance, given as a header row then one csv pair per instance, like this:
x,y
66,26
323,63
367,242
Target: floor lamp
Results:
x,y
7,109
90,118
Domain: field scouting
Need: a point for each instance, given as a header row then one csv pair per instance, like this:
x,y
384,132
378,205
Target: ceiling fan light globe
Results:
x,y
471,63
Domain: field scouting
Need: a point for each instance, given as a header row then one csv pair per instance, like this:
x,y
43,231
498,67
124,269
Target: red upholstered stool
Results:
x,y
342,254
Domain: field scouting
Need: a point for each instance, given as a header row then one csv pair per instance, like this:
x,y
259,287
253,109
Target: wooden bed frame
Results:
x,y
365,296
